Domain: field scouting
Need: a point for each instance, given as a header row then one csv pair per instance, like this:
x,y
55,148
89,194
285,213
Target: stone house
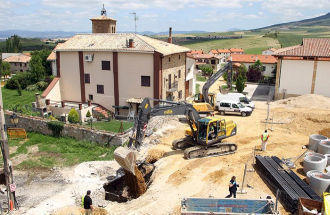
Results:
x,y
268,61
110,69
303,69
18,62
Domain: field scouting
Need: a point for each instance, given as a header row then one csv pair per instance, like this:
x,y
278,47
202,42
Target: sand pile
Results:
x,y
306,101
136,183
73,210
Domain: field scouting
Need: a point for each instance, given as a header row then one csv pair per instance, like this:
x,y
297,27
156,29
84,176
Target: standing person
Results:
x,y
88,205
264,138
232,187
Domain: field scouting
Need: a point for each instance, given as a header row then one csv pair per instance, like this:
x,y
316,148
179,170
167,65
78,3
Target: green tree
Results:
x,y
19,88
36,68
43,54
73,116
206,69
4,68
255,72
13,44
88,114
241,78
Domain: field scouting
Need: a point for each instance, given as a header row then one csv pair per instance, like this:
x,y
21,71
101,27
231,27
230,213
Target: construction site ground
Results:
x,y
60,191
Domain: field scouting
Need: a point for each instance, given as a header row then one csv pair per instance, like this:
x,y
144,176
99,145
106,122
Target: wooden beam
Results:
x,y
82,77
314,76
115,78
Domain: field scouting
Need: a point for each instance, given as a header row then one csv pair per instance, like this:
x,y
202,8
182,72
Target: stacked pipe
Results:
x,y
291,187
316,162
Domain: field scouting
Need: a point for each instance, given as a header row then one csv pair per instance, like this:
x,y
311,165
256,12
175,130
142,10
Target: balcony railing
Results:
x,y
171,87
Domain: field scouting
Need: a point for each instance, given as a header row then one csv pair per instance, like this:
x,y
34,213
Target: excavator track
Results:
x,y
182,143
213,150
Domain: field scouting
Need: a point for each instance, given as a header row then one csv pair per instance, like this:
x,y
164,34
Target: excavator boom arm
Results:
x,y
212,80
164,108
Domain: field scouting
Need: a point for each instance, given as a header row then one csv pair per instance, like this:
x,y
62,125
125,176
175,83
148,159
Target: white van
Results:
x,y
229,106
237,97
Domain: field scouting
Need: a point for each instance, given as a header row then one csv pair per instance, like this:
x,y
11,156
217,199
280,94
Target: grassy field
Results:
x,y
12,99
112,126
30,44
50,151
252,44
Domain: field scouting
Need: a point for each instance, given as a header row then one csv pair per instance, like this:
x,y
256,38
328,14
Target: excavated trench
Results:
x,y
125,186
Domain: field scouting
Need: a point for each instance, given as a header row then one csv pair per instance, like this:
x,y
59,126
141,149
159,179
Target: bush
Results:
x,y
32,87
56,127
73,116
19,88
24,79
42,85
88,114
206,69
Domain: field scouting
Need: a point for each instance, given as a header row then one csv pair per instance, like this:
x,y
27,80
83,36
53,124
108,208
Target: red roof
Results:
x,y
251,58
196,51
213,51
22,58
311,47
203,56
236,50
223,50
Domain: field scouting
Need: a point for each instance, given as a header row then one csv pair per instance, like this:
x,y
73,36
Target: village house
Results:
x,y
191,72
270,51
236,51
303,69
112,69
52,59
268,62
19,62
206,59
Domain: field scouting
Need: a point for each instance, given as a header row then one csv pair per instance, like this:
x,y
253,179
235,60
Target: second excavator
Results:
x,y
203,137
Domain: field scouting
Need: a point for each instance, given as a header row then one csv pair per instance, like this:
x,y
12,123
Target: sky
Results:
x,y
156,15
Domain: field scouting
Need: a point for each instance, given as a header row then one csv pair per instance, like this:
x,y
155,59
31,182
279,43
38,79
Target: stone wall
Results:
x,y
171,65
37,124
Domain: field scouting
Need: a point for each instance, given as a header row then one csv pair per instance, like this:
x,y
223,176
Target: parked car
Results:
x,y
228,106
237,97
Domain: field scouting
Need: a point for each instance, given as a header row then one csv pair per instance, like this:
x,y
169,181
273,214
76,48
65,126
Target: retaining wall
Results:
x,y
38,124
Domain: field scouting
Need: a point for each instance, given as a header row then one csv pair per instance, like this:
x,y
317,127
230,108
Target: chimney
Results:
x,y
89,103
47,102
38,100
169,40
80,106
130,43
62,104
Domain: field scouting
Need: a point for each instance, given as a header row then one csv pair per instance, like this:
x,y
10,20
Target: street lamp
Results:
x,y
14,119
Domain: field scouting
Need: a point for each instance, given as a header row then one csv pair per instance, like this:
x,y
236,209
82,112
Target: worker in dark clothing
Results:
x,y
232,187
88,204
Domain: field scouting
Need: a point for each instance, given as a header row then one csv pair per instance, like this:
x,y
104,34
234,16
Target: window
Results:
x,y
263,68
180,94
212,61
105,65
90,97
100,89
169,59
87,78
179,74
145,81
224,104
179,56
235,106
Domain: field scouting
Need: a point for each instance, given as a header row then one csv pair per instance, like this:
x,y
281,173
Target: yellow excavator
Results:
x,y
203,137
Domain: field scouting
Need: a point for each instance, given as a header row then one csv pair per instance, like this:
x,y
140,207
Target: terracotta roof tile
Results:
x,y
213,51
311,47
236,50
22,58
223,50
196,51
250,58
118,42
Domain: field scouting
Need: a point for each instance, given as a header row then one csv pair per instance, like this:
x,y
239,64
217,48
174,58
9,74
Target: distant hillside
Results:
x,y
65,34
29,44
323,20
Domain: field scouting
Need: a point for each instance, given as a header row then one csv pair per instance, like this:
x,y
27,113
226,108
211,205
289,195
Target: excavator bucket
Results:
x,y
126,158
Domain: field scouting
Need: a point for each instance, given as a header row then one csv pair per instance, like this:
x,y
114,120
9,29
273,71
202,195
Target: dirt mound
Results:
x,y
325,132
215,177
154,155
136,183
306,101
74,210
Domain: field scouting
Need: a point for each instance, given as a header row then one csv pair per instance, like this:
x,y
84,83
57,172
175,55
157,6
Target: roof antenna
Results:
x,y
135,19
103,11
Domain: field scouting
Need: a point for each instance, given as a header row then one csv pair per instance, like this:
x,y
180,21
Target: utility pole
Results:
x,y
5,153
135,19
